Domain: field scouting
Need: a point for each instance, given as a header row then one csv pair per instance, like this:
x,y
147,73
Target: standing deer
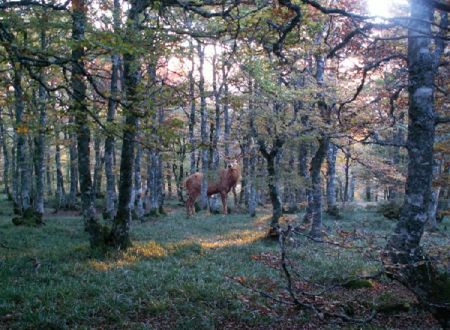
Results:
x,y
227,180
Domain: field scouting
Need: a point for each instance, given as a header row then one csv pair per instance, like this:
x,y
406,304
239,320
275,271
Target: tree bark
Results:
x,y
60,191
97,167
331,176
73,156
193,167
120,232
4,147
111,194
273,181
404,253
80,113
316,182
22,152
203,130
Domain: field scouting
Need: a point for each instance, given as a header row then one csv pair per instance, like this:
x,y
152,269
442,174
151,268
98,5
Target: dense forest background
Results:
x,y
333,113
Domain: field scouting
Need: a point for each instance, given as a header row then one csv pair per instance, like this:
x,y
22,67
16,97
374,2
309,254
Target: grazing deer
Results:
x,y
226,181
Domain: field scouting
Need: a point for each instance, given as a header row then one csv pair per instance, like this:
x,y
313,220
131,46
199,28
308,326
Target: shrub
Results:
x,y
390,210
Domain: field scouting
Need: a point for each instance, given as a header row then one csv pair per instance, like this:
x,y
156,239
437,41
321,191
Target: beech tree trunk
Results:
x,y
97,166
316,181
331,176
203,130
49,171
346,192
226,113
132,72
60,191
193,167
22,151
4,147
137,203
404,245
80,113
111,194
39,153
73,157
273,180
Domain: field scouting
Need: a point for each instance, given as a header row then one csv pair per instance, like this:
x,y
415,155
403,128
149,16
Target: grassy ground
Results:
x,y
180,274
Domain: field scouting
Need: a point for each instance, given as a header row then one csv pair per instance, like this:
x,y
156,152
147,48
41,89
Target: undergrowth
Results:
x,y
179,274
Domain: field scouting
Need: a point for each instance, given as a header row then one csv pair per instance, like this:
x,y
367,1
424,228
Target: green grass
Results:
x,y
176,275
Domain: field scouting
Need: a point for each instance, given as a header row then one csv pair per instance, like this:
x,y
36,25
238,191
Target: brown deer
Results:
x,y
226,181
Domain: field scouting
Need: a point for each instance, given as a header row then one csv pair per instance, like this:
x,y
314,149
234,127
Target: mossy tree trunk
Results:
x,y
80,113
23,162
273,180
203,129
60,191
192,117
119,237
331,176
6,161
403,251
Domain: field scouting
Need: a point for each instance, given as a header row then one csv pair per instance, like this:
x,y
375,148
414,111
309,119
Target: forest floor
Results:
x,y
205,272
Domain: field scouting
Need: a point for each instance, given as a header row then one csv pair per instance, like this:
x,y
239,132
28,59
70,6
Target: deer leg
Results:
x,y
235,197
224,202
189,206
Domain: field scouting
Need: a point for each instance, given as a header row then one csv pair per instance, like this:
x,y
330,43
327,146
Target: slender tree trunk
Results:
x,y
226,113
97,166
290,187
23,155
215,133
193,167
316,181
251,181
49,169
60,191
39,142
4,147
331,176
111,195
138,203
273,181
132,72
203,130
347,176
79,111
73,156
39,154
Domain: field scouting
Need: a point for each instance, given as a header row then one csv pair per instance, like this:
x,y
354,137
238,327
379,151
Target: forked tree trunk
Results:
x,y
273,181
